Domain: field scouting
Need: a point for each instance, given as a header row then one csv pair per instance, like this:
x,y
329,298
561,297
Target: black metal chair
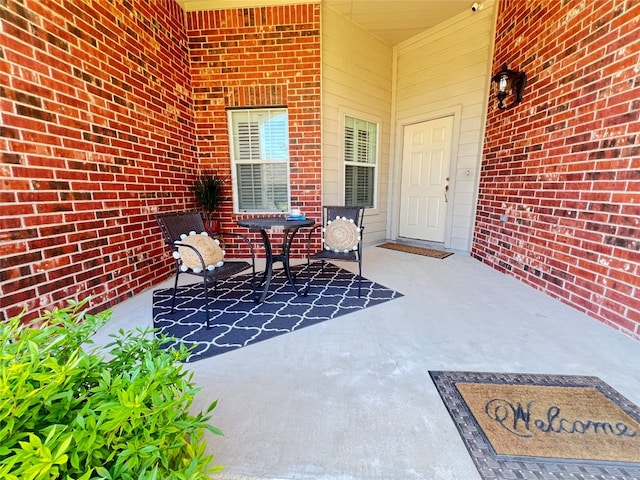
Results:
x,y
175,224
342,229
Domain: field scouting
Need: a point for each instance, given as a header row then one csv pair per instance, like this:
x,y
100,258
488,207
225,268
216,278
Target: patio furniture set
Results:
x,y
198,251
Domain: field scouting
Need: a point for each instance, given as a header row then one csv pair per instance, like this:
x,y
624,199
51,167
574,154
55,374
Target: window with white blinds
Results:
x,y
360,160
260,157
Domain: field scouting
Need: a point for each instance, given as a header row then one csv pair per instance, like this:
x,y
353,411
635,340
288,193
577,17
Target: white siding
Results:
x,y
442,71
356,79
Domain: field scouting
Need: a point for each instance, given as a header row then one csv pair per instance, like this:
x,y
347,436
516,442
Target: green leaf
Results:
x,y
104,473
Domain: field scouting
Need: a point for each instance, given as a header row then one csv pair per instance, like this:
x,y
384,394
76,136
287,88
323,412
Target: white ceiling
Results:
x,y
397,20
392,20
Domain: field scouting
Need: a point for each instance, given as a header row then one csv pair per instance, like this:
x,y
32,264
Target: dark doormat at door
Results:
x,y
425,252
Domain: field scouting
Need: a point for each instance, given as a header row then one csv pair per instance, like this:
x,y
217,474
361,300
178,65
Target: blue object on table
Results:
x,y
296,217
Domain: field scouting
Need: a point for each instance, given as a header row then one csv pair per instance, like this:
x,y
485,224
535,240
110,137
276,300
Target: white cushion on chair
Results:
x,y
341,235
208,248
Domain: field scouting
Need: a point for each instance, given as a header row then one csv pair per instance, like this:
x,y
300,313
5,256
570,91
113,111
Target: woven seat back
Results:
x,y
175,224
350,213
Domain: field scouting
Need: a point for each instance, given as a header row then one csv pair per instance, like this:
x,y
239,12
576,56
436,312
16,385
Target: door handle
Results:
x,y
446,191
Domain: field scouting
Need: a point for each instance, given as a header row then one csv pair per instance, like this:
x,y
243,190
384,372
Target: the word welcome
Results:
x,y
518,420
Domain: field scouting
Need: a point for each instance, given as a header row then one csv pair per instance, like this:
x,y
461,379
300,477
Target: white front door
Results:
x,y
426,156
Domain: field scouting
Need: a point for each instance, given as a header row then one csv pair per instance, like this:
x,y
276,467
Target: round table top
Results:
x,y
265,223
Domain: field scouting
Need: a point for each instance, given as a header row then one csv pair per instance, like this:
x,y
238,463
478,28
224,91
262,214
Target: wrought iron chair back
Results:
x,y
330,213
175,224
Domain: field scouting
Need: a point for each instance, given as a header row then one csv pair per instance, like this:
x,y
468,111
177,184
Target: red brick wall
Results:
x,y
564,165
251,57
97,134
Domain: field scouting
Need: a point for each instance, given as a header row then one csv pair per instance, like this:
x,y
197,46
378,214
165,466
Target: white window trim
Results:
x,y
346,112
234,173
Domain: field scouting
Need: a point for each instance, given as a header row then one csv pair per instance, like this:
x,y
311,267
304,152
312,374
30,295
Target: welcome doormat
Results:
x,y
425,252
543,426
237,321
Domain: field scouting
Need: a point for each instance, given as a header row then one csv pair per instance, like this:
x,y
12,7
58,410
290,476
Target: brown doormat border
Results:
x,y
426,252
460,390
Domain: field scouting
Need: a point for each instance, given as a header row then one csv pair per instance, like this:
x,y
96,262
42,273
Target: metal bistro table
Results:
x,y
289,229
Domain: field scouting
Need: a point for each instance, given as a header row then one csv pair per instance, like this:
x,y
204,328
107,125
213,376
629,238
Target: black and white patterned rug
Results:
x,y
237,321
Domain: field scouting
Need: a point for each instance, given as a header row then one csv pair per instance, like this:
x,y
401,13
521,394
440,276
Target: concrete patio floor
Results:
x,y
352,398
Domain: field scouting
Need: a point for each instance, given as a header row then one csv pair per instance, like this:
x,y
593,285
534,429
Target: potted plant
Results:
x,y
209,190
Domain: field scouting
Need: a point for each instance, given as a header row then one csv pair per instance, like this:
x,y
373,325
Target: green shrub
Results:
x,y
73,413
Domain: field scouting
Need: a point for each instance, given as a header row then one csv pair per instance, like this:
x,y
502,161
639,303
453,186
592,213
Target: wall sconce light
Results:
x,y
507,83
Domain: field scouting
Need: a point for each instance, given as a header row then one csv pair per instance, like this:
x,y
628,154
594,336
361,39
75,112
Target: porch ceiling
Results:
x,y
391,20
